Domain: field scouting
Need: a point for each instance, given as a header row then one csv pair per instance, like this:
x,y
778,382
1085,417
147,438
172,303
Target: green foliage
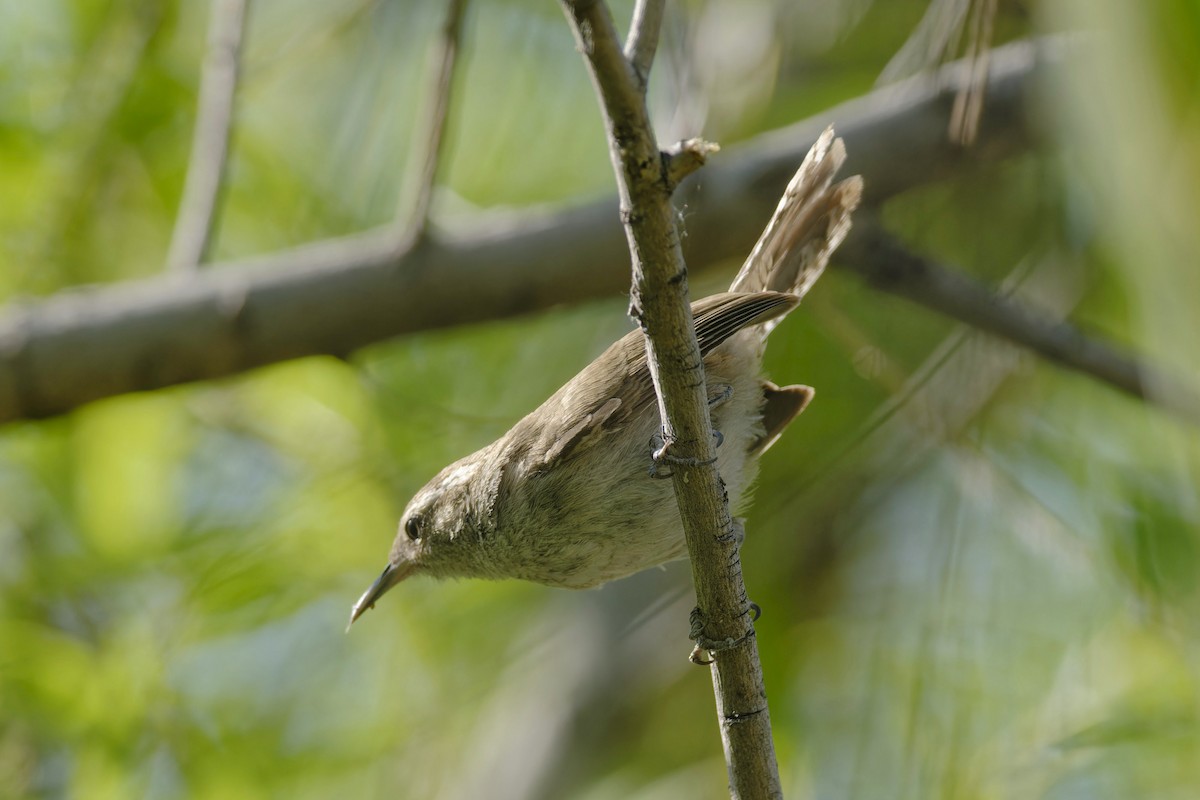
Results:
x,y
987,590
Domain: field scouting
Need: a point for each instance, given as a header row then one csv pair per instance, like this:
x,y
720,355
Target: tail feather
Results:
x,y
812,219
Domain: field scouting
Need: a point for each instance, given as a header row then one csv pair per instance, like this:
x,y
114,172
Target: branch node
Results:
x,y
631,217
683,158
739,717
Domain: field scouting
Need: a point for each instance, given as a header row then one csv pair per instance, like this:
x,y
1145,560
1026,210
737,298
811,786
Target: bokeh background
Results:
x,y
979,572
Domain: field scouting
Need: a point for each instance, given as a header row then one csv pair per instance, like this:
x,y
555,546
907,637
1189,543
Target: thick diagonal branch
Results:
x,y
335,296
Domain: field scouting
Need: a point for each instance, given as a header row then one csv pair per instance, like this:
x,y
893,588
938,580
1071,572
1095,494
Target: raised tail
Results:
x,y
812,219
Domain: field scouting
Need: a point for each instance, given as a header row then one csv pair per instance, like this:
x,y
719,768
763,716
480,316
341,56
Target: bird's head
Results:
x,y
444,531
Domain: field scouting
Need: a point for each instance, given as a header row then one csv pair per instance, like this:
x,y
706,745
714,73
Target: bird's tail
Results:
x,y
812,219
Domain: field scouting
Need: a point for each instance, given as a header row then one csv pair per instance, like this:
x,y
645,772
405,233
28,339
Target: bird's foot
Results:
x,y
707,648
660,455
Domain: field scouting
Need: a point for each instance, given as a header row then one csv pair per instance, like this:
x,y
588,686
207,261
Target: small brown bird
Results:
x,y
568,496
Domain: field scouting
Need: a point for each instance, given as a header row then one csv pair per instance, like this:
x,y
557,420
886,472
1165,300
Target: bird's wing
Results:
x,y
615,387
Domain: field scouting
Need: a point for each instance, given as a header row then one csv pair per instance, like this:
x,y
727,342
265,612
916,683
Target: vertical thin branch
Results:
x,y
642,42
412,220
722,621
194,224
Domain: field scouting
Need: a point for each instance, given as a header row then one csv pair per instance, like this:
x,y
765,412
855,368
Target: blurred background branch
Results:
x,y
336,296
208,165
413,220
92,343
886,264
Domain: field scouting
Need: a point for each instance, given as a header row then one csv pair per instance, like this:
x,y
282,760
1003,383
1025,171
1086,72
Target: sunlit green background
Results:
x,y
979,573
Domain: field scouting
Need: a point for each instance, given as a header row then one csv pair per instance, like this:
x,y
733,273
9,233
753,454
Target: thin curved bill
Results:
x,y
391,575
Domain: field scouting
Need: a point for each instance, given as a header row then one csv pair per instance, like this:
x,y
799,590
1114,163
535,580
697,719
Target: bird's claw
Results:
x,y
707,648
660,453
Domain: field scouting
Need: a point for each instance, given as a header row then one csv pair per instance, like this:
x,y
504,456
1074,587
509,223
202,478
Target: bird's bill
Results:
x,y
391,575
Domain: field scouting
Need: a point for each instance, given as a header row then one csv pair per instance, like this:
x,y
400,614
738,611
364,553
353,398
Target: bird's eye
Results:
x,y
412,528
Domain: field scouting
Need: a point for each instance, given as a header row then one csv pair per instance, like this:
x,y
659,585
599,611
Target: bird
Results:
x,y
568,497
